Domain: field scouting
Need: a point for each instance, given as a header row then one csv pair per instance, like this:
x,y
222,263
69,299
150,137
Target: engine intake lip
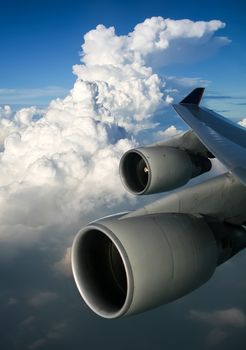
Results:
x,y
128,172
91,282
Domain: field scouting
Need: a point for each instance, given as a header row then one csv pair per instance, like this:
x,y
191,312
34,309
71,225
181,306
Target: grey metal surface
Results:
x,y
165,256
166,168
224,139
222,197
187,141
131,262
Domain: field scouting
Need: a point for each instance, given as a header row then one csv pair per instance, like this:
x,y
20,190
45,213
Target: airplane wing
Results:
x,y
129,263
223,138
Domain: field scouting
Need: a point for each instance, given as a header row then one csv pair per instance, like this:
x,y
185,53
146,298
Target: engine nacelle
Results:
x,y
156,169
126,266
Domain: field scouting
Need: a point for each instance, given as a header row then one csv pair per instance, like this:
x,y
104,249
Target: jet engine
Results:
x,y
124,266
129,263
156,168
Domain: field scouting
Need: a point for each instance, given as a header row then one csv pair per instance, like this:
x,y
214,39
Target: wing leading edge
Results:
x,y
223,138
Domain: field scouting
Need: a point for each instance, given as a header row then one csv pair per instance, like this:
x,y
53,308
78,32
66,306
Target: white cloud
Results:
x,y
43,298
169,132
5,112
167,41
186,82
232,317
169,99
55,332
61,163
243,122
63,266
26,96
156,40
222,323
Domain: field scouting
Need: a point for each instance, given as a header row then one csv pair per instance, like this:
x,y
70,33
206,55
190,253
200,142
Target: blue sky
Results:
x,y
40,40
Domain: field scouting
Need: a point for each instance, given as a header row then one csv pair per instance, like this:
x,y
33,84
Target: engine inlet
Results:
x,y
135,172
100,273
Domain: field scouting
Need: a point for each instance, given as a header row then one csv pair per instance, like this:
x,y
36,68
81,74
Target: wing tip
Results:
x,y
194,97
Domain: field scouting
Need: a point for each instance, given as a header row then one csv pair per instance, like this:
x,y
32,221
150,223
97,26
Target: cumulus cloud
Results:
x,y
157,41
169,132
61,163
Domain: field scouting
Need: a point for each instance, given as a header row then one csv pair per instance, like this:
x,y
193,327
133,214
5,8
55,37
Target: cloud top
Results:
x,y
61,163
170,40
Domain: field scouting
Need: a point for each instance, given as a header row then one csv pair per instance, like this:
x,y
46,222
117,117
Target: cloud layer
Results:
x,y
61,163
59,166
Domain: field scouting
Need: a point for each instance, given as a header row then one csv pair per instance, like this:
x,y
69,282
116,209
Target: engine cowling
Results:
x,y
154,169
126,266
